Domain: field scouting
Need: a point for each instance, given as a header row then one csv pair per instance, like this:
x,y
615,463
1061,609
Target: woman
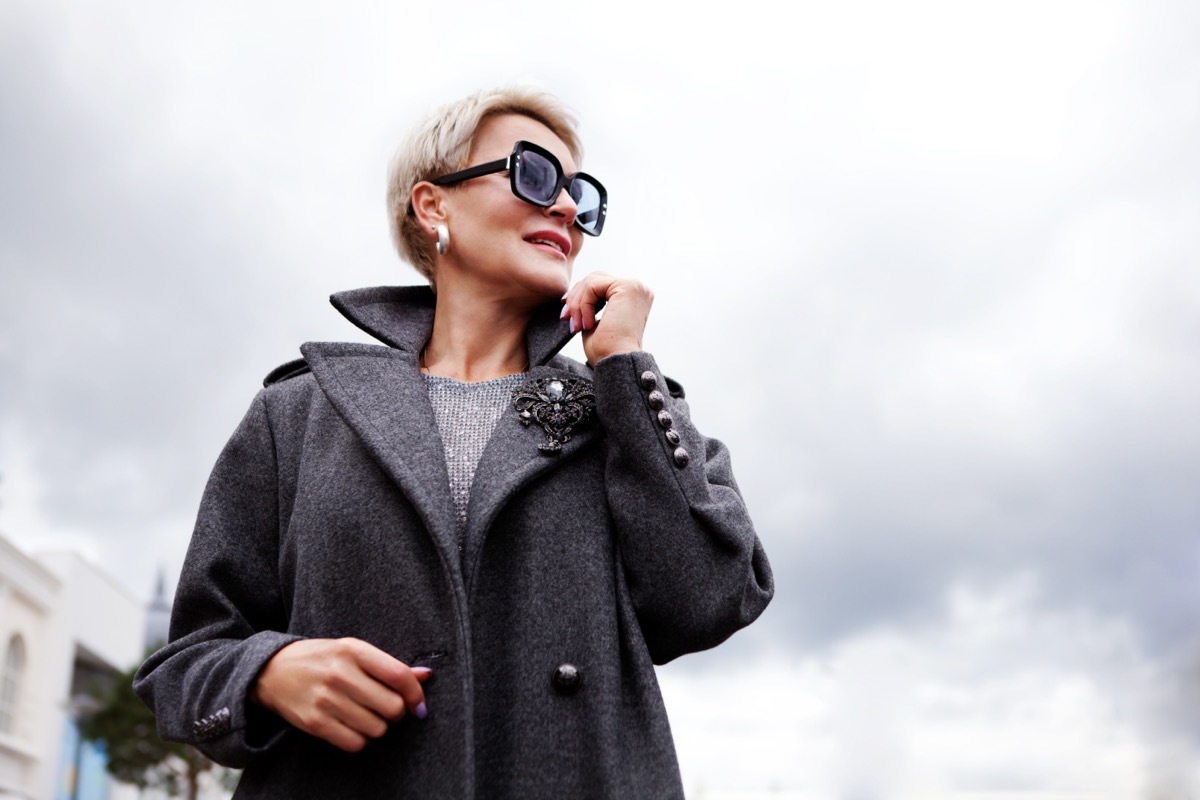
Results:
x,y
446,566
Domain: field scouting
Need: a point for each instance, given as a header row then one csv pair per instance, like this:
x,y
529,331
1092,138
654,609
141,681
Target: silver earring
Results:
x,y
443,234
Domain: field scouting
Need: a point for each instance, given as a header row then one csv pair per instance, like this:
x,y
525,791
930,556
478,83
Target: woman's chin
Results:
x,y
548,282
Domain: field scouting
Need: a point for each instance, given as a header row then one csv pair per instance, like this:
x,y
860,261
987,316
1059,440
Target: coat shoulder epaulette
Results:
x,y
284,371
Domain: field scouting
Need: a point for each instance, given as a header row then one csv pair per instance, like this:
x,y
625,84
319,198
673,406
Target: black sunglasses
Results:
x,y
537,177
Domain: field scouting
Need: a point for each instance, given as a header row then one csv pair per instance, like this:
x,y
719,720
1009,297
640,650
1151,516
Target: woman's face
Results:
x,y
524,251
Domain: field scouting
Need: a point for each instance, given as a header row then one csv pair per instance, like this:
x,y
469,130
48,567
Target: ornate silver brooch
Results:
x,y
559,405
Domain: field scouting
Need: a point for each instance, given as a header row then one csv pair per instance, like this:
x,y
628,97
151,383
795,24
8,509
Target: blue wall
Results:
x,y
93,779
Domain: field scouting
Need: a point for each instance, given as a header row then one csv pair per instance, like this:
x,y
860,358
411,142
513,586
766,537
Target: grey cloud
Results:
x,y
123,307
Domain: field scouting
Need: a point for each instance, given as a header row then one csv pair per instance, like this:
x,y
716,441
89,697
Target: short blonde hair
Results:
x,y
441,143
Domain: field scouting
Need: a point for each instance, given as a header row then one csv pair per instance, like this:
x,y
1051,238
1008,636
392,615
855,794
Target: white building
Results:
x,y
63,625
29,727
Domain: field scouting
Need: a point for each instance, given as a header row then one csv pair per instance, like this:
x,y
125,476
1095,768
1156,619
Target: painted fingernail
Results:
x,y
567,292
572,324
425,670
421,711
563,314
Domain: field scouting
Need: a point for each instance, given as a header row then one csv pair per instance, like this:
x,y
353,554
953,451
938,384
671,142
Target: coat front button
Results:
x,y
673,436
649,380
655,399
566,679
664,418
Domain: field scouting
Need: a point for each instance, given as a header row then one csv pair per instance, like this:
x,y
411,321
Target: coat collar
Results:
x,y
402,316
381,396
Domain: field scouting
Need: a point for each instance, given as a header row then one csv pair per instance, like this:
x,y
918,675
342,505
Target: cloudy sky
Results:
x,y
930,269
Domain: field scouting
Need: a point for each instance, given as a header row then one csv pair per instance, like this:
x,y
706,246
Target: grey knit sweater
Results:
x,y
466,415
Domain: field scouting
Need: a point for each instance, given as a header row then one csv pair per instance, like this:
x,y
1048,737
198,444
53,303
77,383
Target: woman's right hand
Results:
x,y
625,315
344,691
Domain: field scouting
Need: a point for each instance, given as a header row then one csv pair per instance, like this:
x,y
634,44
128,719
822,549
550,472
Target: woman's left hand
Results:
x,y
625,313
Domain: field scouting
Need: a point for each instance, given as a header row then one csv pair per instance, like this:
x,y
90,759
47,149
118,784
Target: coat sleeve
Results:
x,y
694,566
228,617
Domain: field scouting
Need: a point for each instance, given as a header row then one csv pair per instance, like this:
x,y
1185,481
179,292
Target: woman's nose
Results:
x,y
564,206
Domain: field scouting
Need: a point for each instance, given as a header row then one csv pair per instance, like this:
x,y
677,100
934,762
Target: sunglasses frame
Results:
x,y
513,164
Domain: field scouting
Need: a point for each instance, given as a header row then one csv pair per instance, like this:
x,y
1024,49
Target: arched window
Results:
x,y
10,683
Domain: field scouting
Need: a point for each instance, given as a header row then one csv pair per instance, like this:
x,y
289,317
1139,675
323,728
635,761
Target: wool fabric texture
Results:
x,y
329,514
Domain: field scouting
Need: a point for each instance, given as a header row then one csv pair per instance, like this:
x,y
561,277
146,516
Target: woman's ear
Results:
x,y
428,204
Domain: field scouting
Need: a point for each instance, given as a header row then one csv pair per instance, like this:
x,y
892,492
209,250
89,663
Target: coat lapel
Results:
x,y
380,394
510,461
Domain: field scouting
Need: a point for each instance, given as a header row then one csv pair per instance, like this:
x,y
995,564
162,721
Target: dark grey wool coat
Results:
x,y
329,514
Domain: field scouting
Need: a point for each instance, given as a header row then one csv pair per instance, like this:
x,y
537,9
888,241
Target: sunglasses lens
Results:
x,y
588,214
537,179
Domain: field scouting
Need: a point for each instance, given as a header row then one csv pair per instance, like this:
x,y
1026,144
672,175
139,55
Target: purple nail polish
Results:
x,y
421,711
563,314
572,324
